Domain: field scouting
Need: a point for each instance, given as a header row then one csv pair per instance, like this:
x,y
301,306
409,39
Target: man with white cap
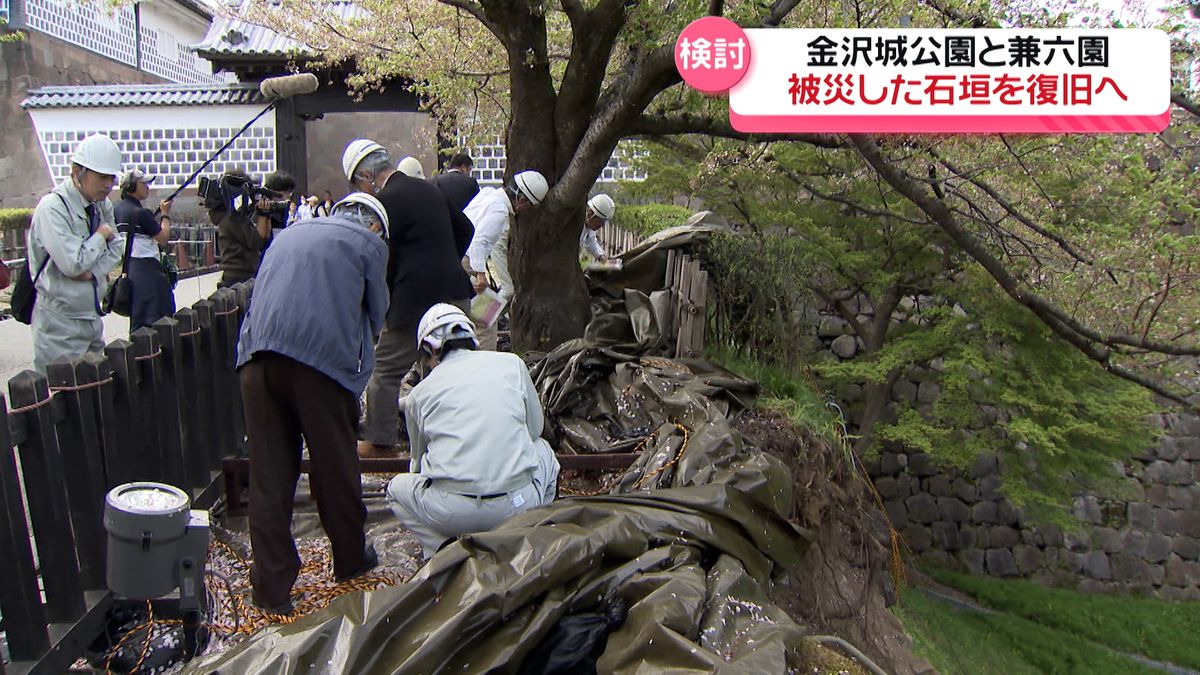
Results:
x,y
151,296
475,426
304,356
492,212
72,246
599,211
428,239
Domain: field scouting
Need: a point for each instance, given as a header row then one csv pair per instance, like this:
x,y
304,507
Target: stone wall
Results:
x,y
37,61
1147,541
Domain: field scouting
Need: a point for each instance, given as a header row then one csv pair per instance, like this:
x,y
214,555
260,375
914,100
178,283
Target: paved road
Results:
x,y
16,343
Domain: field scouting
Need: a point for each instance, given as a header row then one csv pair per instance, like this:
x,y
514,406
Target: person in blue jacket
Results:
x,y
305,354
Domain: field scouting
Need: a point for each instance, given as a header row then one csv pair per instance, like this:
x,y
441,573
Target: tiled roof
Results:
x,y
140,95
231,37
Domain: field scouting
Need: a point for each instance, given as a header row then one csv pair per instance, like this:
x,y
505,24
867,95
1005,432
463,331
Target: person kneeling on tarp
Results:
x,y
475,426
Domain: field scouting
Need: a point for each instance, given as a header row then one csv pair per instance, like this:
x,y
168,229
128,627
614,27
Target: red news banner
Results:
x,y
932,81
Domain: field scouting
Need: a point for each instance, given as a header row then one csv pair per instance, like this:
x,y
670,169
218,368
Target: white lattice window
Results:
x,y
490,158
93,25
171,154
4,10
164,56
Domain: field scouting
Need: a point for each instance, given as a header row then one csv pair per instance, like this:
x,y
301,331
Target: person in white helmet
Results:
x,y
429,237
475,425
492,212
599,211
304,356
411,166
72,246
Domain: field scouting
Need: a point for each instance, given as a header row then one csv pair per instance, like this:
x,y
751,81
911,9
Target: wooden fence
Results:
x,y
192,246
165,407
689,299
617,241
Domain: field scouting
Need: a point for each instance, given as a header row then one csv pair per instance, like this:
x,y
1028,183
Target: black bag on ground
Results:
x,y
119,298
24,293
575,643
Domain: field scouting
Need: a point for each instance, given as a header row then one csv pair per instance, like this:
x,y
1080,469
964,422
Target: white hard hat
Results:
x,y
444,322
369,201
411,166
98,153
533,185
603,206
356,151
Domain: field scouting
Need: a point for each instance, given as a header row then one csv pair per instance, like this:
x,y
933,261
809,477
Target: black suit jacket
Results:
x,y
427,238
458,187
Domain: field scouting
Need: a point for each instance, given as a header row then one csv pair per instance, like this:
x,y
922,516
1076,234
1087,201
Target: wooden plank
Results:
x,y
167,403
69,640
668,330
148,355
195,451
699,315
126,462
41,466
227,389
105,410
20,600
212,435
683,324
83,463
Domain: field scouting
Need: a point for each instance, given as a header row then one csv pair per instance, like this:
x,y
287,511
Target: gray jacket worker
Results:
x,y
72,247
305,352
475,427
152,296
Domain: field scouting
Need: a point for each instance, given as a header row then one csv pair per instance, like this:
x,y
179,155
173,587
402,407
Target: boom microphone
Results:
x,y
287,86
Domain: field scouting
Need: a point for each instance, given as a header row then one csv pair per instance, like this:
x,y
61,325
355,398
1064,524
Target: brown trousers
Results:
x,y
285,400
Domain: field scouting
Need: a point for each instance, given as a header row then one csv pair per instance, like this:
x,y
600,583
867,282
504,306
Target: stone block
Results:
x,y
922,508
1172,594
1107,539
1187,424
1183,472
1158,471
890,463
845,346
1006,513
1028,559
972,558
1158,496
1052,534
940,486
1187,523
984,512
984,466
886,487
905,486
967,536
1087,509
1003,537
965,491
1093,586
896,513
1079,541
1167,449
1096,565
1158,548
1000,563
946,536
953,510
1182,573
928,391
1029,537
989,488
832,326
1189,448
904,391
919,539
1186,548
1135,543
1180,497
1127,567
921,465
1072,561
1165,522
1140,516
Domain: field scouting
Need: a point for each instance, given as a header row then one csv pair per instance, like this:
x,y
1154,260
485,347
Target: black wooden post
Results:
x,y
170,421
195,452
126,460
83,464
42,468
228,389
105,395
212,432
148,355
20,600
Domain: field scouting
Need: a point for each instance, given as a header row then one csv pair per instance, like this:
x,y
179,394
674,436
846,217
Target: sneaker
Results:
x,y
370,562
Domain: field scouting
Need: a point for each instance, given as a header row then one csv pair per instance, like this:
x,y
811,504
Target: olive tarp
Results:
x,y
689,537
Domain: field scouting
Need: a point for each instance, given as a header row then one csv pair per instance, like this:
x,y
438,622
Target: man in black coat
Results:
x,y
457,183
428,237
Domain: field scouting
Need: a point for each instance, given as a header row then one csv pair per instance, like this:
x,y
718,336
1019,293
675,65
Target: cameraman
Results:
x,y
242,230
282,185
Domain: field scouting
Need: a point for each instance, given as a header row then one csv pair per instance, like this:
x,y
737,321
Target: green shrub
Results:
x,y
646,219
15,219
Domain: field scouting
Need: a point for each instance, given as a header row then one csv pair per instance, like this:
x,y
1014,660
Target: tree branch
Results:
x,y
475,10
575,12
716,7
1186,103
779,12
1086,340
664,125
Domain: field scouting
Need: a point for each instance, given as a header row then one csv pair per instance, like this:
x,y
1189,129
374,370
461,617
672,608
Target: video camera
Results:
x,y
242,196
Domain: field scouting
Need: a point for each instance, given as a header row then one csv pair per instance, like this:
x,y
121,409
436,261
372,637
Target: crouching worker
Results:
x,y
305,353
475,426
